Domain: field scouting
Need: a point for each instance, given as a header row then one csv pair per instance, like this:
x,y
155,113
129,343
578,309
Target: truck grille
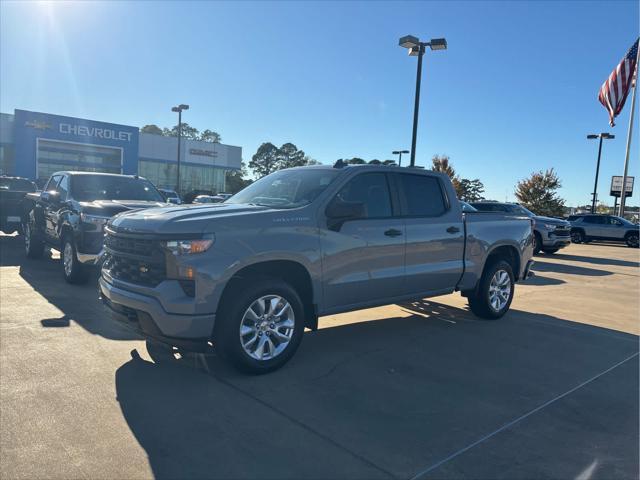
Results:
x,y
134,260
562,231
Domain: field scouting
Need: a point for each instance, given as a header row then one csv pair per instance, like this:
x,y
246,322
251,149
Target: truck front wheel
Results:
x,y
74,271
494,294
260,325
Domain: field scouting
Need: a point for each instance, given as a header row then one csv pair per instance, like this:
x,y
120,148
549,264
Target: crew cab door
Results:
x,y
47,201
434,231
55,208
363,257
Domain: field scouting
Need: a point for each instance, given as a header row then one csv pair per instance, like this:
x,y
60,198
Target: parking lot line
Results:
x,y
424,472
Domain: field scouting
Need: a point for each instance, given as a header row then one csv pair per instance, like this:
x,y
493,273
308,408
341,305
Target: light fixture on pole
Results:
x,y
601,136
399,153
416,49
179,110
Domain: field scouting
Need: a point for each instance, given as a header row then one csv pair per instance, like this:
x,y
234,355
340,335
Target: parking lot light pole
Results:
x,y
179,110
399,153
417,48
601,136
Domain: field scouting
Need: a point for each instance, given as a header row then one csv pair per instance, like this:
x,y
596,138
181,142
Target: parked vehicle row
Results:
x,y
249,274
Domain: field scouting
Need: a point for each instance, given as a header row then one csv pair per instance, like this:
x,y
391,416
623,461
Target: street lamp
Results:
x,y
179,110
399,153
416,49
601,136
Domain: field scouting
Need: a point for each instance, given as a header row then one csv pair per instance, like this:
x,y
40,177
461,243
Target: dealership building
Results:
x,y
34,145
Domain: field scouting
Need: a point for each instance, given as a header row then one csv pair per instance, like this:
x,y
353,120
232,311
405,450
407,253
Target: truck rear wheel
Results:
x,y
494,294
33,246
260,325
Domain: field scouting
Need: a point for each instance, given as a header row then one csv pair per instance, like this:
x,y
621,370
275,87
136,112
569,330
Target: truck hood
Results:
x,y
180,219
551,221
109,208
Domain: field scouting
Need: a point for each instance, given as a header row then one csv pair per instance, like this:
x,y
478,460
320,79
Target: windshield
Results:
x,y
86,188
286,188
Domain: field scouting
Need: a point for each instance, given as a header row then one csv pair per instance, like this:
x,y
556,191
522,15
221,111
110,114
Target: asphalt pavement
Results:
x,y
419,390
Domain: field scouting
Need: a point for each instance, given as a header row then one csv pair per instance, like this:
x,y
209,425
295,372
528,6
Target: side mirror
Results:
x,y
339,212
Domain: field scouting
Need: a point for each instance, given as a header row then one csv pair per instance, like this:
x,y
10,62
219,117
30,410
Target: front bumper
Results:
x,y
146,316
555,241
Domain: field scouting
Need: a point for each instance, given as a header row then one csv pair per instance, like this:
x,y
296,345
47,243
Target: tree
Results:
x,y
375,161
389,162
236,180
188,131
289,156
265,159
441,164
210,136
470,190
539,193
354,161
152,129
311,161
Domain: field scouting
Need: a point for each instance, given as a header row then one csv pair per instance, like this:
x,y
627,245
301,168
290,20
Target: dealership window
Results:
x,y
192,177
54,156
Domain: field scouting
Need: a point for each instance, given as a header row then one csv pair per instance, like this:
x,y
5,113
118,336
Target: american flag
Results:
x,y
615,89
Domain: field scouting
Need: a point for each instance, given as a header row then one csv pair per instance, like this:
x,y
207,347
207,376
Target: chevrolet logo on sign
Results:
x,y
38,125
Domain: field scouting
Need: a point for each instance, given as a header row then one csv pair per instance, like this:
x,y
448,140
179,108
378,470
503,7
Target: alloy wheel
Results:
x,y
267,327
499,290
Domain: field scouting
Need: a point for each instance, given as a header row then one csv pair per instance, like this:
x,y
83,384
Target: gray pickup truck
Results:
x,y
248,275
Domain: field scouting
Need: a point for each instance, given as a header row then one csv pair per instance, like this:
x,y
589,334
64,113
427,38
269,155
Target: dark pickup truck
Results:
x,y
12,193
70,213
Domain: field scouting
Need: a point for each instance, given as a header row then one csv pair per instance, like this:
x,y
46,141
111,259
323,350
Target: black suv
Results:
x,y
587,227
70,213
12,192
551,234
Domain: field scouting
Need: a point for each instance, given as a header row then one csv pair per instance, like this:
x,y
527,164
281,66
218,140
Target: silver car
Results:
x,y
585,228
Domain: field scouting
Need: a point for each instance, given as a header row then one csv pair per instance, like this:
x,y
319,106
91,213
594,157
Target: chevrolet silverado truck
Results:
x,y
250,274
70,213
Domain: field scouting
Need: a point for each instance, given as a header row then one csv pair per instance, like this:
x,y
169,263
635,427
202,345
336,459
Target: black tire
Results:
x,y
537,243
480,302
33,246
74,272
227,338
577,236
550,251
631,239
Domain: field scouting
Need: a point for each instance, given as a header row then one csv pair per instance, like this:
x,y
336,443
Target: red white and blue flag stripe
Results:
x,y
614,91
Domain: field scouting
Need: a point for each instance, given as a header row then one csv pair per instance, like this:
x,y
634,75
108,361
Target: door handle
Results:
x,y
393,233
453,230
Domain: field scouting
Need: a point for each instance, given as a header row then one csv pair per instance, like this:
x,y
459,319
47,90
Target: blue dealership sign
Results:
x,y
30,127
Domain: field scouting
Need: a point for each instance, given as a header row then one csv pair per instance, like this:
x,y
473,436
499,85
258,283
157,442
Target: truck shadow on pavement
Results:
x,y
77,303
540,266
388,398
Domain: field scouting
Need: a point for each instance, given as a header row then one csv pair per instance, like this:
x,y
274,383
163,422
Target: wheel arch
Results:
x,y
509,253
290,271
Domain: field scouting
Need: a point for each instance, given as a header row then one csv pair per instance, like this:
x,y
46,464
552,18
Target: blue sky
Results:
x,y
515,92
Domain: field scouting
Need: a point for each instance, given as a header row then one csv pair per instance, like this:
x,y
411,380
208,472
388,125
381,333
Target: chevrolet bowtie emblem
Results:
x,y
38,125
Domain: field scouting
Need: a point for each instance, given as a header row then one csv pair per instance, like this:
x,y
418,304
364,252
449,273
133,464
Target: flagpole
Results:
x,y
626,157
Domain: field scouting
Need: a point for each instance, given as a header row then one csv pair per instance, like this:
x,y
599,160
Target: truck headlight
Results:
x,y
188,247
94,219
549,226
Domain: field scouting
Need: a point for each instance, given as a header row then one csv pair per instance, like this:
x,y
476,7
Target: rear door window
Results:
x,y
421,196
372,190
